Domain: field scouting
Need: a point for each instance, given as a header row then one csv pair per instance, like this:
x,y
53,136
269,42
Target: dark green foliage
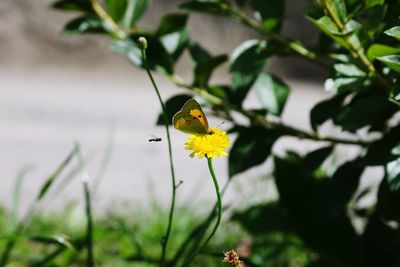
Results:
x,y
251,148
270,13
247,62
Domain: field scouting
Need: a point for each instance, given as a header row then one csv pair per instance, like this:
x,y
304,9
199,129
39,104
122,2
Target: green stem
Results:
x,y
164,241
219,203
88,208
219,213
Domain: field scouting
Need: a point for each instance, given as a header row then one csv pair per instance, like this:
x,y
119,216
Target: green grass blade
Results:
x,y
88,208
21,225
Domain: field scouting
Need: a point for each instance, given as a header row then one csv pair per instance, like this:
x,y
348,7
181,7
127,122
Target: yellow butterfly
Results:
x,y
191,119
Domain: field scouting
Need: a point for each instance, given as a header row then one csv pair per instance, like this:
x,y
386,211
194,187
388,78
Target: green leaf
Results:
x,y
116,9
215,7
172,23
326,109
270,13
251,148
173,34
172,106
373,23
365,109
52,240
204,64
338,8
73,5
348,70
175,43
344,183
380,50
273,93
51,179
393,62
313,160
85,24
309,199
395,93
345,38
158,57
134,11
389,192
371,3
262,219
246,63
326,25
381,151
394,32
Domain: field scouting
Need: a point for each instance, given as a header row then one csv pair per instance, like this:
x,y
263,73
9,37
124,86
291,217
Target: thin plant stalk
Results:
x,y
219,213
88,208
164,241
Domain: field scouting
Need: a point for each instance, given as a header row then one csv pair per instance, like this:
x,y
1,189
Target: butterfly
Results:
x,y
191,119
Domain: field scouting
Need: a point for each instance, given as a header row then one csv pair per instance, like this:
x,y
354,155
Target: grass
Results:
x,y
125,238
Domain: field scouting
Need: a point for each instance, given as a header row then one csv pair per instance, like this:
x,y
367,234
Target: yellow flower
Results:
x,y
209,145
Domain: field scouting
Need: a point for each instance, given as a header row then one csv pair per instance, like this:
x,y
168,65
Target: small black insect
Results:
x,y
156,139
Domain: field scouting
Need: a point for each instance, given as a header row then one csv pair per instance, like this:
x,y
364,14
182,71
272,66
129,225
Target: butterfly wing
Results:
x,y
191,119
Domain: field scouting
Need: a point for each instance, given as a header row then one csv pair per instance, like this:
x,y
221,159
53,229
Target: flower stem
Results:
x,y
164,241
219,214
219,202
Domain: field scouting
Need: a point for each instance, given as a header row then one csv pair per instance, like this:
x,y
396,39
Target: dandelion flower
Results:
x,y
209,145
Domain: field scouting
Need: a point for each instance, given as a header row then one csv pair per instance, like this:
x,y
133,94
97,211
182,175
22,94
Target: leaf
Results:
x,y
338,8
308,199
380,50
389,192
52,240
246,63
394,32
73,5
204,64
269,13
85,24
371,3
373,23
157,56
51,179
380,151
265,218
326,109
393,62
273,93
344,183
326,25
172,23
395,93
116,9
172,106
207,6
134,11
313,160
348,38
173,34
251,148
365,109
348,70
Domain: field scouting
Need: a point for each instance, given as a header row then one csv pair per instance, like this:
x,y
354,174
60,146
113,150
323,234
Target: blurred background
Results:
x,y
56,90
